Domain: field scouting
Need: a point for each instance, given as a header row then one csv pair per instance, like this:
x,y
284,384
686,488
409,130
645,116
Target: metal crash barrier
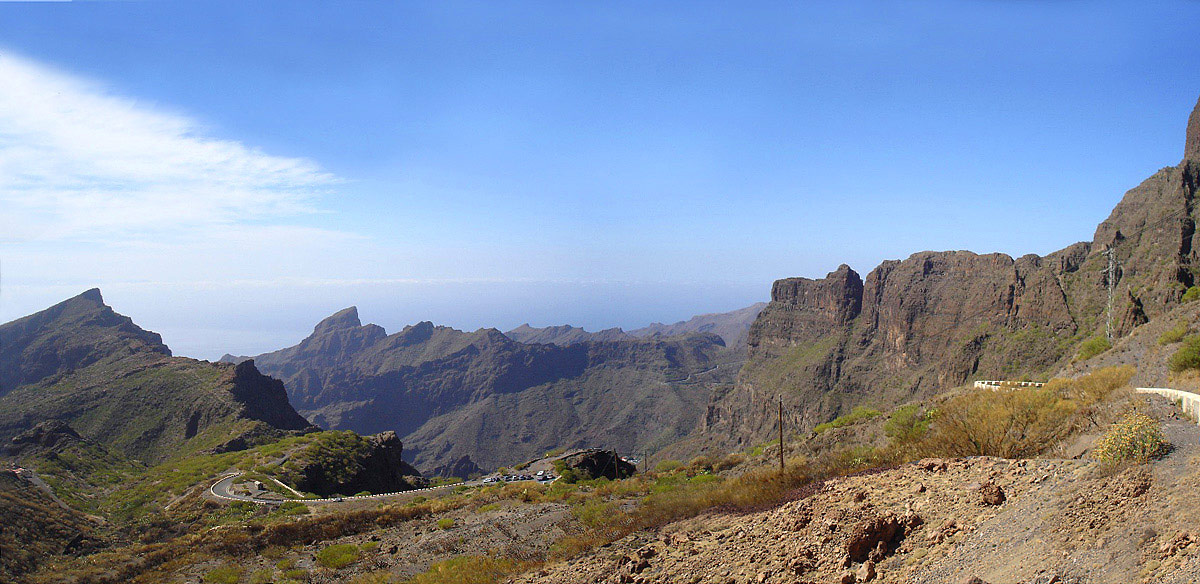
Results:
x,y
1188,401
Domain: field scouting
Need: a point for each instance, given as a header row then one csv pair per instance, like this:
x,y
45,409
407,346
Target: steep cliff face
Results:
x,y
118,385
452,394
804,310
1191,148
937,319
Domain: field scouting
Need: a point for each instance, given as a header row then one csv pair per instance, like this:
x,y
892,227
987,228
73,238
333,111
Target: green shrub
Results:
x,y
293,508
594,513
1092,347
569,476
263,576
377,577
1192,293
338,556
1093,387
1187,356
667,465
1009,424
1136,438
906,424
445,523
467,570
858,414
227,574
1173,335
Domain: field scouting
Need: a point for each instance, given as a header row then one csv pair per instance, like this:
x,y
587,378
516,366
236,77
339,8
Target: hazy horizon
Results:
x,y
229,177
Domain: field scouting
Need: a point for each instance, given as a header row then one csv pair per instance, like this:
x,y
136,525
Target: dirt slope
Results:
x,y
940,521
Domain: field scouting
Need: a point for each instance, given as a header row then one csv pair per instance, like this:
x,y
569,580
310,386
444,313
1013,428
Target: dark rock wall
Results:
x,y
937,319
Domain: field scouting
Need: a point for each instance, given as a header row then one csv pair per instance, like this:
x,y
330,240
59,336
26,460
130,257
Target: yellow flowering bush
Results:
x,y
1137,437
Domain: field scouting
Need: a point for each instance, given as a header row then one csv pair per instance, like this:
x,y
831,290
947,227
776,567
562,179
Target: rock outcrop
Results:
x,y
346,464
595,463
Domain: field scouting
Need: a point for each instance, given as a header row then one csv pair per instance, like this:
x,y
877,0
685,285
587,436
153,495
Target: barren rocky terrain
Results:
x,y
937,521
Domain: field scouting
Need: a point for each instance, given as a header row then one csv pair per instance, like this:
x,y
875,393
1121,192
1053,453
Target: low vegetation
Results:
x,y
467,570
906,424
1021,422
858,414
228,574
1191,294
1136,438
1187,357
1092,347
338,556
337,454
1173,334
1016,422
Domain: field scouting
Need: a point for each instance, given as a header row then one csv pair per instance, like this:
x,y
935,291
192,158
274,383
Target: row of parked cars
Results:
x,y
540,475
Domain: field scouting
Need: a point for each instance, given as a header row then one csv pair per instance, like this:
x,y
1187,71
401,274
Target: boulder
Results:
x,y
991,493
595,463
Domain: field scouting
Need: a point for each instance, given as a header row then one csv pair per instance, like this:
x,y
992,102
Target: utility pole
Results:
x,y
781,434
1111,277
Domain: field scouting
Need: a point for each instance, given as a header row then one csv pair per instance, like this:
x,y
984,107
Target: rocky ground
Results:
x,y
941,521
511,530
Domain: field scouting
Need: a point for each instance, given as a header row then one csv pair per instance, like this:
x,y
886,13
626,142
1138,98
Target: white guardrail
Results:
x,y
1188,401
998,384
213,492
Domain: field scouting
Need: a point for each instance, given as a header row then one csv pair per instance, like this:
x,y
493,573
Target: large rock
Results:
x,y
46,435
596,463
345,463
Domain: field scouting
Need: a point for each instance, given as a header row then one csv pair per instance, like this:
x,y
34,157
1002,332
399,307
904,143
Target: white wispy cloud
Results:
x,y
80,162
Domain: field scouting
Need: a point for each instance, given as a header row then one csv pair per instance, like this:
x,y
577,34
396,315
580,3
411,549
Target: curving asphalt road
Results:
x,y
221,490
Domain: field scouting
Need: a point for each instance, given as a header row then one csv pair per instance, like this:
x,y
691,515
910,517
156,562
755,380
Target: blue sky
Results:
x,y
229,173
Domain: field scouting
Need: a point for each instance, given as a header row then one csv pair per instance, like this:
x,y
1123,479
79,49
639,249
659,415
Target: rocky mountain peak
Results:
x,y
1191,149
342,319
838,295
93,295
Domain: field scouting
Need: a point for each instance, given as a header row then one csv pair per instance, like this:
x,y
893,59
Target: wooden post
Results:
x,y
780,434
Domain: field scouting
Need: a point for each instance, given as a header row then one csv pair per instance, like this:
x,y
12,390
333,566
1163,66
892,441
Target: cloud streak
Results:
x,y
78,162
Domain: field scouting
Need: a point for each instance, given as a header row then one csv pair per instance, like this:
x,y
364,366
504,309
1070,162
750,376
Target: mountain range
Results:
x,y
470,400
733,327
